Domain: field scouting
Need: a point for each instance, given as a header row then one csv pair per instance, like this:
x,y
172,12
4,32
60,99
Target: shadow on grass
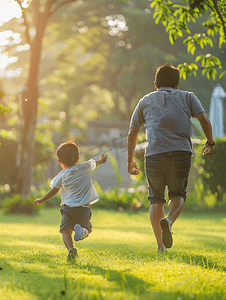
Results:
x,y
30,265
32,246
205,238
72,281
120,278
204,261
80,282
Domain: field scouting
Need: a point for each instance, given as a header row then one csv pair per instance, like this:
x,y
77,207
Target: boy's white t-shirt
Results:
x,y
77,188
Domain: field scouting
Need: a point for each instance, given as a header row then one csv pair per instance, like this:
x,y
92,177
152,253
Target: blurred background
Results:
x,y
75,70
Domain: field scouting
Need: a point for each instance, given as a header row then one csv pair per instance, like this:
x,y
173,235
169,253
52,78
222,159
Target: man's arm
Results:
x,y
47,196
207,129
131,144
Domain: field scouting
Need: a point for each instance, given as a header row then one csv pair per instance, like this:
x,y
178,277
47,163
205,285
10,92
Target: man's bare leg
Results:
x,y
176,205
156,214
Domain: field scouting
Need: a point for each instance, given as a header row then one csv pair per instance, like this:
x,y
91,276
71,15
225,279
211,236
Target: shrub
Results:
x,y
17,205
53,202
122,198
204,200
41,191
212,168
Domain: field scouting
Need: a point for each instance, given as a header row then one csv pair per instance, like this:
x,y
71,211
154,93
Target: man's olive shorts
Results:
x,y
167,169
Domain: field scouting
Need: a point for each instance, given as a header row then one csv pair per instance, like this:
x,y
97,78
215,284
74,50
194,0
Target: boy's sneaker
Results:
x,y
72,253
85,233
80,233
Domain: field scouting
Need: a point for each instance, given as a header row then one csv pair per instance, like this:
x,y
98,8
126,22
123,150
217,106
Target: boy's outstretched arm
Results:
x,y
47,196
103,158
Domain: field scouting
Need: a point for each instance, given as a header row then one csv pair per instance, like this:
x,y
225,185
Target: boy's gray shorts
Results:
x,y
76,215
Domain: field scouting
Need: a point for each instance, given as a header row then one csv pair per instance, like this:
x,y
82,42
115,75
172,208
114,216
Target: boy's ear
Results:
x,y
77,160
156,85
59,162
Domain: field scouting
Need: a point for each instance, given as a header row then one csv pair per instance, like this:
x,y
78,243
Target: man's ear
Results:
x,y
156,85
176,87
77,160
59,162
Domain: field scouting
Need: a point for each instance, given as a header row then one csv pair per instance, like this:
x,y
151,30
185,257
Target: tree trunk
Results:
x,y
26,158
29,104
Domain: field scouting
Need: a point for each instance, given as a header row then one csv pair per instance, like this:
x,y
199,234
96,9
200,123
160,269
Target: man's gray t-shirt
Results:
x,y
166,114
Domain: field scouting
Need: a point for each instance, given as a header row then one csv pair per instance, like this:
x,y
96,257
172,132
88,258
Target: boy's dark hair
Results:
x,y
167,75
67,153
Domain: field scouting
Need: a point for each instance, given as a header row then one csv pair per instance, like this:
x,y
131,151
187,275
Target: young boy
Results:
x,y
77,194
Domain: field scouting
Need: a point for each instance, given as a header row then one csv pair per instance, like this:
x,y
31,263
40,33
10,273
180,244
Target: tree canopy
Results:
x,y
178,18
207,46
106,62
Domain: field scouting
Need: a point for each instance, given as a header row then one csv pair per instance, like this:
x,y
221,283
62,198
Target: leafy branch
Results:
x,y
176,18
3,110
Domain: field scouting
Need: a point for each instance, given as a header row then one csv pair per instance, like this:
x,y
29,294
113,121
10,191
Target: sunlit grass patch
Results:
x,y
117,261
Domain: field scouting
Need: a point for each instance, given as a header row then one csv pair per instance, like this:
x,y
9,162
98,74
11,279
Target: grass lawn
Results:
x,y
117,261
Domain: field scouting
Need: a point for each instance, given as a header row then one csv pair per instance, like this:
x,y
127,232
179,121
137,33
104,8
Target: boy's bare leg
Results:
x,y
176,205
156,214
66,234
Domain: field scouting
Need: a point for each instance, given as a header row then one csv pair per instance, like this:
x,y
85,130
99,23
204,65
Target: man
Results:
x,y
166,114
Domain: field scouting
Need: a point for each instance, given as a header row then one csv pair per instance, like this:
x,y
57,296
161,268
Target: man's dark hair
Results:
x,y
67,153
167,76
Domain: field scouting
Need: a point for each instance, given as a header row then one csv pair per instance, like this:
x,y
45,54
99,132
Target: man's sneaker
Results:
x,y
162,250
80,233
167,239
72,253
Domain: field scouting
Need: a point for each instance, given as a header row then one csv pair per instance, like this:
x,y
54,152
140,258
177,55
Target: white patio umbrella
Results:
x,y
216,113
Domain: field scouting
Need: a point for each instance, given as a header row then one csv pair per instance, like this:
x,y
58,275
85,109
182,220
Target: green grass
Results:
x,y
117,261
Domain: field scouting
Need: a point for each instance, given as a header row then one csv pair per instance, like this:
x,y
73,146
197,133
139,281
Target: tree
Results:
x,y
178,18
109,52
36,16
